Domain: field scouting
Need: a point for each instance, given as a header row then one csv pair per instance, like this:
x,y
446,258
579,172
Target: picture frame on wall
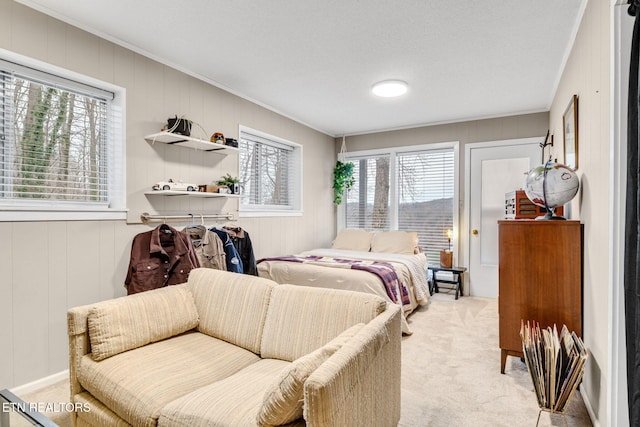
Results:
x,y
570,131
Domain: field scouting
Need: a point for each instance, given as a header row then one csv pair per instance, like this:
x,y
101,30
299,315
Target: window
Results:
x,y
368,200
270,175
59,150
408,188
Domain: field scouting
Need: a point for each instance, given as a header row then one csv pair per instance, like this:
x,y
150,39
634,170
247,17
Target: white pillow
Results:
x,y
397,242
284,399
354,240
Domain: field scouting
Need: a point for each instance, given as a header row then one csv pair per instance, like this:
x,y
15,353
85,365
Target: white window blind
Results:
x,y
425,182
54,140
404,190
270,172
367,201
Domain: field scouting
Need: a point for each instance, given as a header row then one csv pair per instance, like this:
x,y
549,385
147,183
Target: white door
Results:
x,y
494,168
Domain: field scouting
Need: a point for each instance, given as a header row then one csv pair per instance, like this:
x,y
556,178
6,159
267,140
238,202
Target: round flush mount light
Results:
x,y
389,88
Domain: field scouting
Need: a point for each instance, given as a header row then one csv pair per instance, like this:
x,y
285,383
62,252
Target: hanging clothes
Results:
x,y
160,257
234,263
242,243
208,246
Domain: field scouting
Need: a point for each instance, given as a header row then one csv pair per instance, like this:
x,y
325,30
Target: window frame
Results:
x,y
55,210
393,152
294,208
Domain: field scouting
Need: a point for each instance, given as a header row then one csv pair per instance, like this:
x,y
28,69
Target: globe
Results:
x,y
551,185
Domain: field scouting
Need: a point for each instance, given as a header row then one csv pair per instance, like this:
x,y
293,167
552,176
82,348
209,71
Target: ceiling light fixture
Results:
x,y
389,88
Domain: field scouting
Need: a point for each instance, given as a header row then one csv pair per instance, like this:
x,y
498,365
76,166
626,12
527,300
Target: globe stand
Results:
x,y
551,216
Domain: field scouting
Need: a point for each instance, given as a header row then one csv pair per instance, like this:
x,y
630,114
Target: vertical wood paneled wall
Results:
x,y
48,267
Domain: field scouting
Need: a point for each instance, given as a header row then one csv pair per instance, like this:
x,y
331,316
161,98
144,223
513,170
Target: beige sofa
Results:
x,y
227,349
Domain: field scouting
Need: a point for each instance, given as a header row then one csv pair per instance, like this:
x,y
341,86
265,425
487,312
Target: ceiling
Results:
x,y
315,61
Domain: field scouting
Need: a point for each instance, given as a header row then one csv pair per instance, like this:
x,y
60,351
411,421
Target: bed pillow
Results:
x,y
283,401
354,240
397,242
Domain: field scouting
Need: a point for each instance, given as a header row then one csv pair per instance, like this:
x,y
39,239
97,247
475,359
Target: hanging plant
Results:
x,y
342,179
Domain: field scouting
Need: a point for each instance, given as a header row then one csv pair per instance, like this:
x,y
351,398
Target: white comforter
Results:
x,y
416,264
410,269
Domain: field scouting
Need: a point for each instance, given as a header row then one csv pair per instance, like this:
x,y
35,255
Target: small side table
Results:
x,y
458,276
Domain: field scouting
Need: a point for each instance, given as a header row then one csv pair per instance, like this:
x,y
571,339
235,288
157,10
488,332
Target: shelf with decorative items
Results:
x,y
202,194
190,142
180,188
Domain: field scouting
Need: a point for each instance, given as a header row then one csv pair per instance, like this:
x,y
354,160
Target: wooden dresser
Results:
x,y
540,278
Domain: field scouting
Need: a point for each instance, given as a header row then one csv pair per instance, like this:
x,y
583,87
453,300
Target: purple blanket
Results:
x,y
383,270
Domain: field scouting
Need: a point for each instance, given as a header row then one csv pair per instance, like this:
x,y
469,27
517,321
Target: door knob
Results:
x,y
474,232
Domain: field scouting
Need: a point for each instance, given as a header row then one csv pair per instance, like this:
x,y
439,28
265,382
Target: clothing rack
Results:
x,y
146,217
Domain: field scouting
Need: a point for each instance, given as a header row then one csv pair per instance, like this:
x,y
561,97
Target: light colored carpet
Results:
x,y
450,373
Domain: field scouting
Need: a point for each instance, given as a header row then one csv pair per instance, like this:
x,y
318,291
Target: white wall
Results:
x,y
48,267
587,74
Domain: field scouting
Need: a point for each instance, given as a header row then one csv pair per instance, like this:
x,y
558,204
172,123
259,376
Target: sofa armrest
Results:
x,y
360,384
78,331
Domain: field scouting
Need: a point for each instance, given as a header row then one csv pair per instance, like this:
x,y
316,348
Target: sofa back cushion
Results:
x,y
231,306
130,322
301,319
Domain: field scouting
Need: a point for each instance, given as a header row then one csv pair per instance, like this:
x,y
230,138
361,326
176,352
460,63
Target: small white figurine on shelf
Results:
x,y
172,185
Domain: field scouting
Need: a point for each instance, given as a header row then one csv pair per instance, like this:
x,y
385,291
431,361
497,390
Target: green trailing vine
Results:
x,y
342,179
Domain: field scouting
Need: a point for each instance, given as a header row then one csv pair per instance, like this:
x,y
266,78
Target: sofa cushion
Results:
x,y
301,319
283,400
233,401
231,306
130,322
355,240
136,384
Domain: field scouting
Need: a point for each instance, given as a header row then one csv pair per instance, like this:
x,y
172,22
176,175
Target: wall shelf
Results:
x,y
190,142
200,194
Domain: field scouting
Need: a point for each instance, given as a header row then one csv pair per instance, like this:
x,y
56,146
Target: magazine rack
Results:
x,y
555,363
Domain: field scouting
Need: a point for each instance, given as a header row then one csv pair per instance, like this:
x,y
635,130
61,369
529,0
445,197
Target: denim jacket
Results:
x,y
234,263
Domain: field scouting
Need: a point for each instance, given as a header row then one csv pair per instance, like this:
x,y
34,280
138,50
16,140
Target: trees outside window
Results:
x,y
269,174
61,144
53,143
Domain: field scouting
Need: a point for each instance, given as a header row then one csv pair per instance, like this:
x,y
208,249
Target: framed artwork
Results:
x,y
570,131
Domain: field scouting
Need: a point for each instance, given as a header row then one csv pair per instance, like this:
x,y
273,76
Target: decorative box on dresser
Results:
x,y
540,278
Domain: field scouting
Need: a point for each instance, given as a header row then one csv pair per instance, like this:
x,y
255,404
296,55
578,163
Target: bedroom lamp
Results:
x,y
446,256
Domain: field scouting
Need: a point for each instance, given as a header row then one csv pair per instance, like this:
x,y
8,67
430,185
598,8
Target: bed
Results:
x,y
387,264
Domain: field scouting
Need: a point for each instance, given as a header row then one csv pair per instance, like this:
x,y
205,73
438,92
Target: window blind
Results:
x,y
425,182
404,190
269,172
53,140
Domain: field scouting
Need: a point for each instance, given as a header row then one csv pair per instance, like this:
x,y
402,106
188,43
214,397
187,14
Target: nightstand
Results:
x,y
458,279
